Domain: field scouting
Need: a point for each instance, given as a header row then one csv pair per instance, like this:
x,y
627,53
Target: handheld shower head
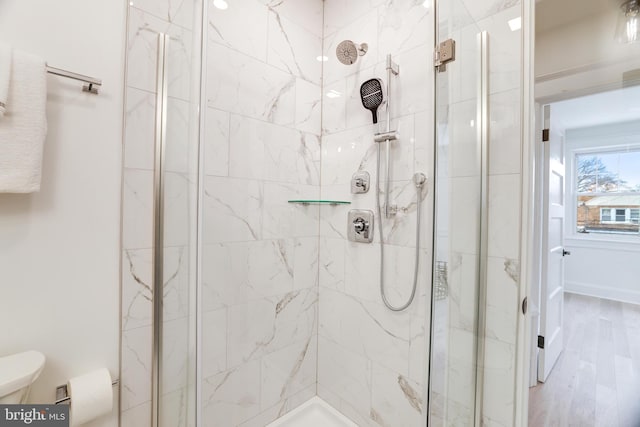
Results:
x,y
372,96
348,51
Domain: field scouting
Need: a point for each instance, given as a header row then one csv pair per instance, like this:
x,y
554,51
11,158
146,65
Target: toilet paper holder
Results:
x,y
62,394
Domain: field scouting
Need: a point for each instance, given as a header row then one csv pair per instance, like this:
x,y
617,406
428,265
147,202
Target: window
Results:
x,y
629,216
608,192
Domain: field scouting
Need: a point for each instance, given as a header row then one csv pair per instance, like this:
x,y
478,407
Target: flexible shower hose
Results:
x,y
416,262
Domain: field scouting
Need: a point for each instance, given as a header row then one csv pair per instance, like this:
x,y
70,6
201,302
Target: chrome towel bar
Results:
x,y
92,85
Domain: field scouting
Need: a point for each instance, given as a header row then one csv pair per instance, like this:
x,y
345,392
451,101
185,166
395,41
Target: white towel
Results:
x,y
24,126
5,76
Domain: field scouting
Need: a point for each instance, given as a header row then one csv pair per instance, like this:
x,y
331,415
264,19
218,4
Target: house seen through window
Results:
x,y
608,192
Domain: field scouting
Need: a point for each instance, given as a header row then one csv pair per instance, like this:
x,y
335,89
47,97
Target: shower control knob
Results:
x,y
361,226
360,182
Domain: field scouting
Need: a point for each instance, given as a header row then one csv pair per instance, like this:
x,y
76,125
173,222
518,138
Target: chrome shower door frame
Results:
x,y
483,139
158,222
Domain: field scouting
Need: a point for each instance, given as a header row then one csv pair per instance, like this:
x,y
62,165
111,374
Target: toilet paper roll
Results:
x,y
91,396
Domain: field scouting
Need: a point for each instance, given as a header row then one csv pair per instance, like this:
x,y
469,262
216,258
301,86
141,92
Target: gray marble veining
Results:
x,y
413,397
512,268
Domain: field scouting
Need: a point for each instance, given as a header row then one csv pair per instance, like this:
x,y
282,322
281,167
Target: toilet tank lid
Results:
x,y
19,370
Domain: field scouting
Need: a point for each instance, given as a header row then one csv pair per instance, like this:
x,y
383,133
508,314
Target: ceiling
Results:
x,y
551,14
583,58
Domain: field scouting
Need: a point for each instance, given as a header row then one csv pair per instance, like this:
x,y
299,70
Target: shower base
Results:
x,y
315,412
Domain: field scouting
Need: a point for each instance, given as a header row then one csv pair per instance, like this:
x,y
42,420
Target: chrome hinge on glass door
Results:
x,y
445,52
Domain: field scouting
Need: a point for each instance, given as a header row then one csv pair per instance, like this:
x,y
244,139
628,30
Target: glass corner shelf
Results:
x,y
320,202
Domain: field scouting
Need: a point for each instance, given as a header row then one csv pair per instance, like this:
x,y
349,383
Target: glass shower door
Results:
x,y
459,232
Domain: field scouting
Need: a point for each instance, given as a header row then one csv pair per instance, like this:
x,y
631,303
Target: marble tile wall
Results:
x,y
371,361
260,253
146,20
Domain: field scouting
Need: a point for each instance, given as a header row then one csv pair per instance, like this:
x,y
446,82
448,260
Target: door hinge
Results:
x,y
540,341
545,135
445,52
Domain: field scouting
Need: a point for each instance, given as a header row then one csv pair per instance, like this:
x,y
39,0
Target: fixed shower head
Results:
x,y
348,51
372,96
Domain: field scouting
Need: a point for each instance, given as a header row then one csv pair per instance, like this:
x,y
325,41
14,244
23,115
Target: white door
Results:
x,y
552,286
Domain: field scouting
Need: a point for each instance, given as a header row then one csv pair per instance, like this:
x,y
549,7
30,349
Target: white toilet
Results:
x,y
17,373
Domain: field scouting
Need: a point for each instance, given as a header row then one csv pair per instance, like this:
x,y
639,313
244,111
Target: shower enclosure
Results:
x,y
243,296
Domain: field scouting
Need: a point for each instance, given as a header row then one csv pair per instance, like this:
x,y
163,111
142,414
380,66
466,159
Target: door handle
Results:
x,y
565,252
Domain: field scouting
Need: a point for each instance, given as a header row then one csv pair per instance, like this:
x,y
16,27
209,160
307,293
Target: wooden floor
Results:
x,y
596,381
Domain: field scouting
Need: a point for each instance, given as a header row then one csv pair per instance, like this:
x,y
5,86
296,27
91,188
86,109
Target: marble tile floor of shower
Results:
x,y
313,413
596,381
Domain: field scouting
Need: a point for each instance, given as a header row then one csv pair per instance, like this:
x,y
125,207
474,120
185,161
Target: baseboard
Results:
x,y
622,295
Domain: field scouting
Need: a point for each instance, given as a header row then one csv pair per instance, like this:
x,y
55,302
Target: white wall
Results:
x,y
59,248
603,266
603,269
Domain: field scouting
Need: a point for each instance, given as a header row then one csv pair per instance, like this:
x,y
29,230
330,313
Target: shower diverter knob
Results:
x,y
360,226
